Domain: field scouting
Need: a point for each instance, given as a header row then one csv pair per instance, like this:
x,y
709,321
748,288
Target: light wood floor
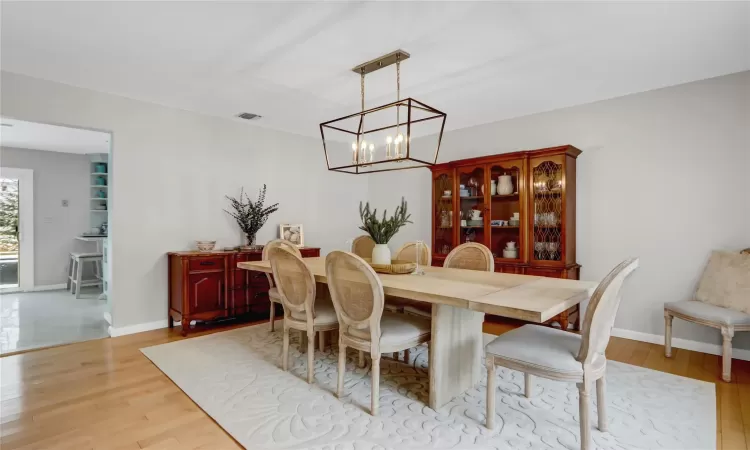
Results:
x,y
105,394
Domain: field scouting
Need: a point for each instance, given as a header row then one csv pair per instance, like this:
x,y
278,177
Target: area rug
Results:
x,y
235,377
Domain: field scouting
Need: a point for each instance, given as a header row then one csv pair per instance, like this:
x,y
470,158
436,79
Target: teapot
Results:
x,y
476,214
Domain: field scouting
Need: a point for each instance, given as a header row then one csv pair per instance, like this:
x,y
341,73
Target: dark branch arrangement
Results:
x,y
251,216
381,231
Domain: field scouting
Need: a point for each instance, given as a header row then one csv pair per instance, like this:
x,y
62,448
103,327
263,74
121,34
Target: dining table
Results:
x,y
460,298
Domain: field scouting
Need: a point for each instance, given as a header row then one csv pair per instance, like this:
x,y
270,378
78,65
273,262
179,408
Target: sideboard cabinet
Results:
x,y
208,286
521,205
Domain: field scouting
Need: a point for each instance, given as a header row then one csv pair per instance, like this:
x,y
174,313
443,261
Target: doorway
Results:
x,y
16,229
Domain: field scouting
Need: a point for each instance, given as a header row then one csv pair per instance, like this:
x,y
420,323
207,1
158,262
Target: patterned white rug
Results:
x,y
235,377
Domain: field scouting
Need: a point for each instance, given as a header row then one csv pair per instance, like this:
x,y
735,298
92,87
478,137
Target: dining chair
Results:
x,y
357,294
296,285
562,356
721,301
469,256
408,252
362,246
273,292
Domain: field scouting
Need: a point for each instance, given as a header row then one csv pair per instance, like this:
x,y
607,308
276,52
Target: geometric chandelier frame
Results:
x,y
394,152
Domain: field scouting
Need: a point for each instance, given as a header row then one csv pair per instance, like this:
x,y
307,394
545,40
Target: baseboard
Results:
x,y
687,344
138,328
108,317
48,287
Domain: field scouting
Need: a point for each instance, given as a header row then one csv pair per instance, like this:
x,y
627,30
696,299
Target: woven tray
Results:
x,y
396,267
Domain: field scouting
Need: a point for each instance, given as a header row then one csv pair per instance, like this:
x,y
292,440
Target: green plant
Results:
x,y
251,216
381,231
8,216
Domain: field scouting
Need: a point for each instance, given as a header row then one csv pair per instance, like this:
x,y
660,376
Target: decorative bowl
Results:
x,y
205,246
396,267
475,223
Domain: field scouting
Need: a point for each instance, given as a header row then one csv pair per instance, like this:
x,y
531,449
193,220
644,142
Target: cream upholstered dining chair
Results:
x,y
357,294
563,356
296,285
722,301
469,256
273,292
362,246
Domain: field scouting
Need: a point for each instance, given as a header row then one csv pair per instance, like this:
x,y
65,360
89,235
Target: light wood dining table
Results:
x,y
460,299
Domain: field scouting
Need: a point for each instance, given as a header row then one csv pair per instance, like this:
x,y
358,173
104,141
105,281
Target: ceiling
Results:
x,y
290,62
52,138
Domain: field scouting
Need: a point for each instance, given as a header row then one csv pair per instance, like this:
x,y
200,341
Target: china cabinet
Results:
x,y
521,205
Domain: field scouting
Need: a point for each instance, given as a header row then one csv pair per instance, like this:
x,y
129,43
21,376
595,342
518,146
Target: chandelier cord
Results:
x,y
398,93
362,88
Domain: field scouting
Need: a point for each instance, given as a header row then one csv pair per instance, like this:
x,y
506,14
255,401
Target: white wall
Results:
x,y
57,177
171,170
663,176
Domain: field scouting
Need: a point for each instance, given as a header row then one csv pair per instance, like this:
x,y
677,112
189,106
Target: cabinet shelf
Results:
x,y
474,227
99,187
100,199
104,174
510,227
473,197
499,196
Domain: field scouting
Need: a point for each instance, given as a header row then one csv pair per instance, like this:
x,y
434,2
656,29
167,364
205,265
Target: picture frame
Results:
x,y
293,233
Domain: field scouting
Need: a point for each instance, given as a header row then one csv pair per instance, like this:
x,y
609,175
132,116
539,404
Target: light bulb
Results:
x,y
372,147
364,145
388,140
354,146
400,137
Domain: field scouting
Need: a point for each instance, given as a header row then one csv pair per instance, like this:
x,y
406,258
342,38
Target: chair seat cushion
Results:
x,y
711,313
397,331
539,347
324,313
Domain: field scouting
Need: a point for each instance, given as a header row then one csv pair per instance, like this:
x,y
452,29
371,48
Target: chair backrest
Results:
x,y
296,284
601,312
471,256
362,246
408,252
356,292
276,243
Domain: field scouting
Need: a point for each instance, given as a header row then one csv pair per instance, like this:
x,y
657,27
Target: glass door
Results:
x,y
506,231
547,208
472,205
9,228
443,231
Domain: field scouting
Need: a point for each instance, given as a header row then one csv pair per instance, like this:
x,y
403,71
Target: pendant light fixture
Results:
x,y
404,134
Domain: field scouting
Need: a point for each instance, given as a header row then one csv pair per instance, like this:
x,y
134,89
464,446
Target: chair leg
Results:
x,y
322,340
361,359
69,283
601,404
726,354
668,333
375,400
302,341
310,356
583,414
342,368
272,316
527,385
490,416
407,355
79,278
73,263
285,350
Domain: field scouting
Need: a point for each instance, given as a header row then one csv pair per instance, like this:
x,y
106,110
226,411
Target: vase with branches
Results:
x,y
250,216
382,230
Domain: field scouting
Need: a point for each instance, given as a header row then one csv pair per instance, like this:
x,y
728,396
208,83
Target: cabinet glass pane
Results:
x,y
547,187
505,210
443,220
471,206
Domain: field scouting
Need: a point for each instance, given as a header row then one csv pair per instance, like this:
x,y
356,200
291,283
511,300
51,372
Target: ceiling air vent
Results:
x,y
248,116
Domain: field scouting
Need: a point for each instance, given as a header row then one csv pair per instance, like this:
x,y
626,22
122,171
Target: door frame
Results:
x,y
25,179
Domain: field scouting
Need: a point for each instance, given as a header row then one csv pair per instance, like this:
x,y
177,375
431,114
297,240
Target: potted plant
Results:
x,y
381,231
251,216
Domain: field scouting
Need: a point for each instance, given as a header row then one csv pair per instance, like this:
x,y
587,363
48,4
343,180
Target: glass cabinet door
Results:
x,y
471,207
547,208
442,185
506,232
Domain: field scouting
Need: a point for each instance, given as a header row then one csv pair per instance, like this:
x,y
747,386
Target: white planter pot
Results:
x,y
381,254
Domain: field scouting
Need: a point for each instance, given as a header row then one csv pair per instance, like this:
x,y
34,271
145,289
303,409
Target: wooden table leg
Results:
x,y
456,350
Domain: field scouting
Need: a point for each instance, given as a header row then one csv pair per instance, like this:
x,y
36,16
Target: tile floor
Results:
x,y
39,319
